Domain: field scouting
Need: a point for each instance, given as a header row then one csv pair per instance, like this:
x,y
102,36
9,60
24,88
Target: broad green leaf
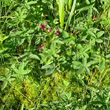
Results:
x,y
100,34
33,56
46,66
91,63
21,69
81,70
49,72
59,42
80,28
32,2
99,40
77,64
108,56
91,33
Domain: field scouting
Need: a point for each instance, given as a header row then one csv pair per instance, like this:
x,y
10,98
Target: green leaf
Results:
x,y
33,56
21,69
91,33
84,7
102,65
46,66
22,107
84,61
99,40
49,72
108,56
88,71
77,64
80,28
91,63
61,12
4,85
71,15
66,83
32,2
2,78
81,70
100,34
59,42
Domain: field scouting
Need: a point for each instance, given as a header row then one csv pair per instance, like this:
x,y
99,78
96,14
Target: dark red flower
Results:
x,y
40,48
57,33
42,27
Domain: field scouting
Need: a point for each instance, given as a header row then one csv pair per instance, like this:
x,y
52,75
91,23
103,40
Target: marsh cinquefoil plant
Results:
x,y
54,55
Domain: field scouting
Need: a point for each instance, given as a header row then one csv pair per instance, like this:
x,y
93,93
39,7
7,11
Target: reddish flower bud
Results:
x,y
44,44
49,30
40,48
45,22
57,33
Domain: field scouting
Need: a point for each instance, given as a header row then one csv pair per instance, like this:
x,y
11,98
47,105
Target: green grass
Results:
x,y
54,55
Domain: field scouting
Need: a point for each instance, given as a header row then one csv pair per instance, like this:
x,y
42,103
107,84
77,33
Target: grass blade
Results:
x,y
61,12
70,16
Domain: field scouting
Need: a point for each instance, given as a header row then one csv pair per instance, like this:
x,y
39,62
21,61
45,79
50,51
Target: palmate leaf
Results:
x,y
2,78
21,69
6,80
